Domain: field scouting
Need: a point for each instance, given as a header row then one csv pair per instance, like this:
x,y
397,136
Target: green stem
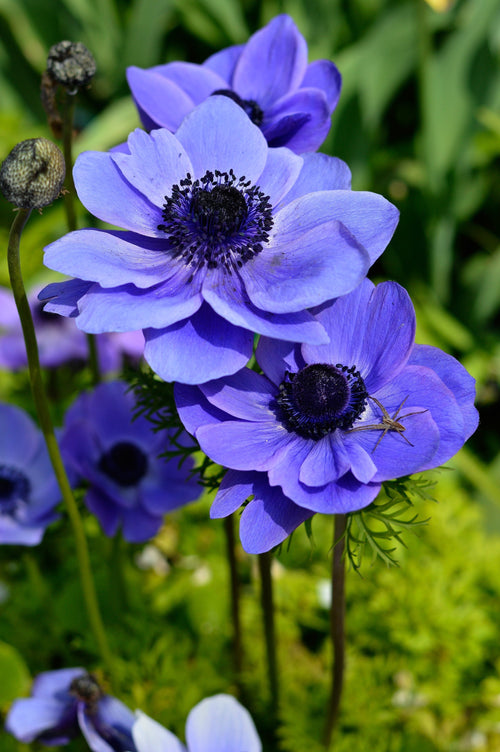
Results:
x,y
266,597
45,420
337,627
93,359
117,579
235,595
69,196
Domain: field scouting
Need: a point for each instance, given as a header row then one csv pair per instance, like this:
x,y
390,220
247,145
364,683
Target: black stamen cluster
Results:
x,y
320,398
14,485
249,106
125,463
216,221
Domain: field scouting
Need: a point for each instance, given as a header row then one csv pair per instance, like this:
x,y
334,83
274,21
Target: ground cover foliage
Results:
x,y
417,122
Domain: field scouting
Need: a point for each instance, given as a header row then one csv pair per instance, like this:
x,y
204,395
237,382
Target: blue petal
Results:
x,y
164,103
299,121
277,357
103,190
234,490
221,724
326,461
269,518
211,145
372,328
29,718
138,525
155,162
245,395
280,174
243,445
194,409
197,81
320,172
324,75
63,297
224,62
199,349
272,63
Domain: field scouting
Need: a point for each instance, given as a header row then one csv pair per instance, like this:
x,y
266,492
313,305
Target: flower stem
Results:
x,y
337,627
266,598
235,596
47,427
67,135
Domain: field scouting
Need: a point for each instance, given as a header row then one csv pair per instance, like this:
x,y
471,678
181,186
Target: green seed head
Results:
x,y
32,175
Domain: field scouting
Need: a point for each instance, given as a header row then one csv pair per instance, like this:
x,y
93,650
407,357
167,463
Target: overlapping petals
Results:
x,y
389,408
269,77
28,487
305,238
129,485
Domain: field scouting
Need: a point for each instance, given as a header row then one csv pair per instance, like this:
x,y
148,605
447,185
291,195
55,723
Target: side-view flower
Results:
x,y
69,702
216,724
268,77
28,487
129,484
325,425
224,237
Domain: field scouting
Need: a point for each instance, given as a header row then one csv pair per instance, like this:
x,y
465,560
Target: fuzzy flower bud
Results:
x,y
71,65
32,175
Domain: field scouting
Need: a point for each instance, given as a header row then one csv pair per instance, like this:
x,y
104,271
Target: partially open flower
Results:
x,y
32,175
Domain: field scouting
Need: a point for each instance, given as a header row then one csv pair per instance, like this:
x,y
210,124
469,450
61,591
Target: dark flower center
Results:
x,y
124,463
217,221
86,689
321,398
14,487
249,106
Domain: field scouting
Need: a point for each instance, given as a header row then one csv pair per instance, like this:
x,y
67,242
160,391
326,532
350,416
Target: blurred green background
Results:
x,y
419,122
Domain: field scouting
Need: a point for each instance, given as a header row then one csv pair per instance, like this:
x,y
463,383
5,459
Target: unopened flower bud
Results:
x,y
71,65
32,175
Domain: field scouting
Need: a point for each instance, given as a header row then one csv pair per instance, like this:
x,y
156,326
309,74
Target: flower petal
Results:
x,y
107,512
229,299
234,490
372,328
194,409
320,172
30,717
272,63
305,266
103,190
280,174
138,525
126,309
299,121
155,163
269,518
197,81
324,75
326,461
245,395
198,349
242,445
162,100
211,145
149,736
63,297
224,62
221,724
276,357
457,379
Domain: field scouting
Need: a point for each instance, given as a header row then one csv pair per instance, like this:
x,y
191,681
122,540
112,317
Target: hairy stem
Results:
x,y
337,627
47,427
266,597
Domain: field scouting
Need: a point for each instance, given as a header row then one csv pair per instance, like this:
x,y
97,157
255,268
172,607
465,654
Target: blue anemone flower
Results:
x,y
216,724
129,484
65,703
28,486
225,237
268,77
327,424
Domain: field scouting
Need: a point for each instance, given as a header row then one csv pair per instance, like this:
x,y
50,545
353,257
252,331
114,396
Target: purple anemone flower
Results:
x,y
129,484
216,724
28,486
59,339
327,424
226,237
268,77
65,703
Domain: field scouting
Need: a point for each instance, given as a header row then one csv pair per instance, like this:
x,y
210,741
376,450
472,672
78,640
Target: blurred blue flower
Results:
x,y
327,424
59,339
226,238
28,487
129,485
216,724
268,77
65,703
